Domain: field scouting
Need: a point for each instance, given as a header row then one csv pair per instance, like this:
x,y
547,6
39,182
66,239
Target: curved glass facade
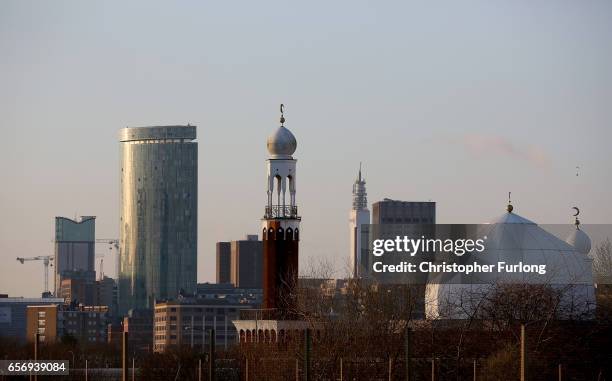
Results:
x,y
158,226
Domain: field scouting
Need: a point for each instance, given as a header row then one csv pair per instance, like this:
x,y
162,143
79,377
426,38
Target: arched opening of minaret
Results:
x,y
291,184
278,181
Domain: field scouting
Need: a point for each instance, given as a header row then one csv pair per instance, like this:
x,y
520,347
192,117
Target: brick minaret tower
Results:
x,y
281,224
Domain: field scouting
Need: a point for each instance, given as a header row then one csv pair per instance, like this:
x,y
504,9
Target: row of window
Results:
x,y
280,234
408,220
155,141
185,310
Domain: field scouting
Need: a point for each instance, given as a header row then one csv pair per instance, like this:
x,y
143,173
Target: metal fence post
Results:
x,y
407,354
523,354
308,344
211,356
124,357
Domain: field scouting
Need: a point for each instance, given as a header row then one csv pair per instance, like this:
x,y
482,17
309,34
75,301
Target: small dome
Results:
x,y
282,144
580,241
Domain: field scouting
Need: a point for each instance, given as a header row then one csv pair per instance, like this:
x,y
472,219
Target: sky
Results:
x,y
454,102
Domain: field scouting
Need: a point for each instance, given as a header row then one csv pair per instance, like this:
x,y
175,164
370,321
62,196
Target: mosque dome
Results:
x,y
579,240
514,239
282,143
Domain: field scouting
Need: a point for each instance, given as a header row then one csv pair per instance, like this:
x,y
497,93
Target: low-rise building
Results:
x,y
77,290
139,326
188,321
106,294
13,315
86,324
44,321
229,292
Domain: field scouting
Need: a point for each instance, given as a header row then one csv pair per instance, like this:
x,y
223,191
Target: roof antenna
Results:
x,y
509,208
359,171
282,118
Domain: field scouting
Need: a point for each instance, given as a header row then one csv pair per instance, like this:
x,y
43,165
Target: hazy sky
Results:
x,y
457,102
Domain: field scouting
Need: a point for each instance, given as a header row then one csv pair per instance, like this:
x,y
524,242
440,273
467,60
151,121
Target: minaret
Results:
x,y
359,216
280,224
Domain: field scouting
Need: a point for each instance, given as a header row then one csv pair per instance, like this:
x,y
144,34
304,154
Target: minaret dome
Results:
x,y
282,143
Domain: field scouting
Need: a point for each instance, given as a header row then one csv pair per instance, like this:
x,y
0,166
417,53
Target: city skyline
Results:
x,y
519,115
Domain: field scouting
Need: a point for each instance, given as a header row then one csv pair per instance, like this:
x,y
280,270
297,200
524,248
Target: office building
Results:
x,y
106,294
86,324
247,262
74,248
359,220
227,291
224,260
139,326
403,212
78,289
13,315
188,321
43,320
392,218
158,223
240,262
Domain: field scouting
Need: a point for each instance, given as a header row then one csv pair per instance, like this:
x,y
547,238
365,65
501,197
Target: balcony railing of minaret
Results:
x,y
282,211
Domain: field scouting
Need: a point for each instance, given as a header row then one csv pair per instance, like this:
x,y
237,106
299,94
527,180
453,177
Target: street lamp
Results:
x,y
72,365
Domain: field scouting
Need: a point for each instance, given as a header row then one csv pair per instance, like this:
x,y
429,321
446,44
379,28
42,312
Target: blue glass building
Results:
x,y
158,226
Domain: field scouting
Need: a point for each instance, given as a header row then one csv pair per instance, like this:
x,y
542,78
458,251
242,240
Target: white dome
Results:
x,y
513,239
282,144
580,241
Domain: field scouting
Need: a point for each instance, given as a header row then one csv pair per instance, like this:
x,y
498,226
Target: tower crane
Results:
x,y
113,243
46,261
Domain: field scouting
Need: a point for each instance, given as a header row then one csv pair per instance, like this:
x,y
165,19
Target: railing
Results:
x,y
260,314
267,314
281,211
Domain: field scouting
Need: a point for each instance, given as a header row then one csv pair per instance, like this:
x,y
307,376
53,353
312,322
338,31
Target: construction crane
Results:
x,y
113,243
46,261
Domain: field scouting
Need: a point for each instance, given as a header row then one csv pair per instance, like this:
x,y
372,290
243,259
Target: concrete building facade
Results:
x,y
86,324
389,211
224,262
187,322
247,262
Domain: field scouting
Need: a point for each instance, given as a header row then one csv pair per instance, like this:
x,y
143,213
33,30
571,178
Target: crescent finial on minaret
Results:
x,y
577,221
509,208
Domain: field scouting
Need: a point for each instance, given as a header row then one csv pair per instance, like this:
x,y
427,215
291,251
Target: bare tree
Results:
x,y
602,262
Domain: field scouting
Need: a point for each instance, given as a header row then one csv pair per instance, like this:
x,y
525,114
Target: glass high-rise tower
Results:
x,y
158,226
75,242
